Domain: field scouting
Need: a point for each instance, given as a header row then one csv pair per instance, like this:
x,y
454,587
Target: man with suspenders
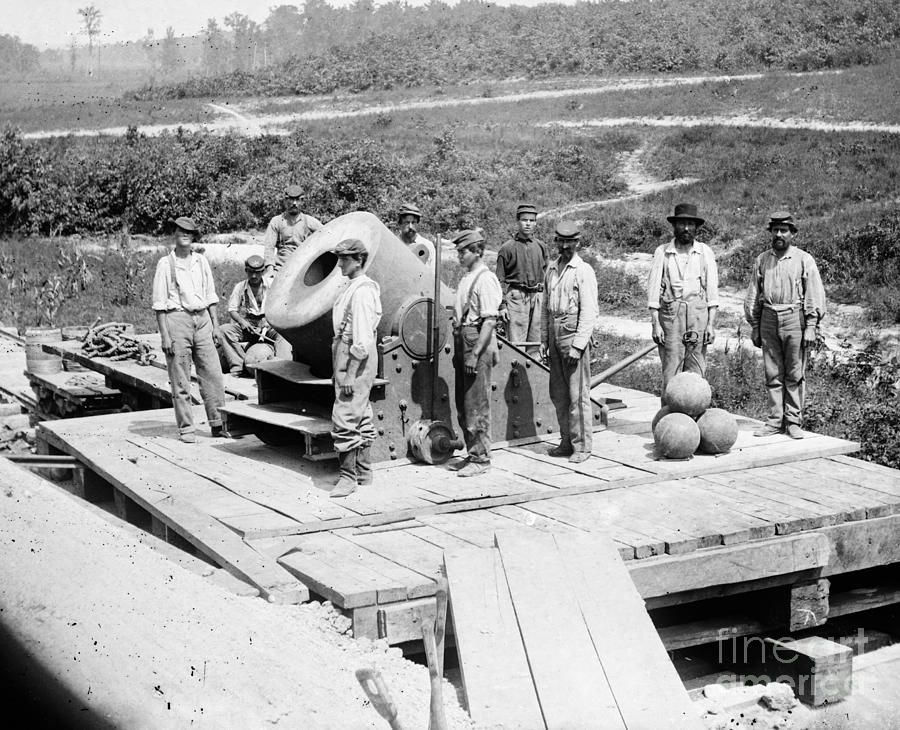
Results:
x,y
354,352
247,309
185,302
478,300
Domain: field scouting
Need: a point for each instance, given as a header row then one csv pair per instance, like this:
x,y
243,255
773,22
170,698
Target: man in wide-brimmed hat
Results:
x,y
784,305
521,263
186,304
683,296
478,299
248,325
408,217
287,230
355,318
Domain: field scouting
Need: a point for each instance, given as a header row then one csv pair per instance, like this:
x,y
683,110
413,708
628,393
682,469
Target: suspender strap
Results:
x,y
468,305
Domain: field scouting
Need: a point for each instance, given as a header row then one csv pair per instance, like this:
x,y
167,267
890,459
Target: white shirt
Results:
x,y
356,315
192,288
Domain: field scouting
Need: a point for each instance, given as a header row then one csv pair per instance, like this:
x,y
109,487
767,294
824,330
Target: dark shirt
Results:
x,y
521,262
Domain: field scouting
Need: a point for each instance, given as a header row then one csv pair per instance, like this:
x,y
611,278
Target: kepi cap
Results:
x,y
350,247
409,209
784,217
186,224
466,238
568,231
686,211
526,208
255,263
293,191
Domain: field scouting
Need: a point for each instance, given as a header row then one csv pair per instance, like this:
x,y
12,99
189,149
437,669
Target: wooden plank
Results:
x,y
877,503
802,483
870,476
728,565
624,637
493,666
422,560
571,685
861,545
137,482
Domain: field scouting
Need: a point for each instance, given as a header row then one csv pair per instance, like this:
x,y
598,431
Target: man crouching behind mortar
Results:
x,y
478,301
354,354
569,315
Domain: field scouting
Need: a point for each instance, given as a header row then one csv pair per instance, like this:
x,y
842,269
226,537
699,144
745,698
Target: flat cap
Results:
x,y
568,231
409,209
783,217
186,224
293,191
466,238
350,247
526,208
255,263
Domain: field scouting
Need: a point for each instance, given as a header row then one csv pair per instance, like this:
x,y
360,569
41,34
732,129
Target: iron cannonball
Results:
x,y
255,354
688,393
677,436
718,431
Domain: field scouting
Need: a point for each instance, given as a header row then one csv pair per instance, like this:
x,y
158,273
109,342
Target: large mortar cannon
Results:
x,y
413,396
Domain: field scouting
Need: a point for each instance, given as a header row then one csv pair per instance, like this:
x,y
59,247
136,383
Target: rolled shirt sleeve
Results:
x,y
161,283
270,242
814,305
364,316
654,278
234,301
488,295
588,306
712,278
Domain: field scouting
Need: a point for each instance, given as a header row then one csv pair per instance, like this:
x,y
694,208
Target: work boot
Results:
x,y
217,431
474,468
767,430
363,466
458,463
564,449
794,431
346,485
579,456
189,437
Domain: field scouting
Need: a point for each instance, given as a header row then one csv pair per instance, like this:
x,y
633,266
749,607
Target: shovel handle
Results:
x,y
377,692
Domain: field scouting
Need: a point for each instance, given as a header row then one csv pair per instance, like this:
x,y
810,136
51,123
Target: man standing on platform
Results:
x,y
521,262
478,299
784,305
408,217
247,309
683,297
287,230
355,318
185,302
569,314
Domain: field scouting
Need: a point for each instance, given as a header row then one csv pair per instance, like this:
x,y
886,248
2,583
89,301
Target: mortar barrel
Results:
x,y
300,302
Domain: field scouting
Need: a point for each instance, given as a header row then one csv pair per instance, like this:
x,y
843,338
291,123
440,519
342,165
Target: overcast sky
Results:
x,y
51,23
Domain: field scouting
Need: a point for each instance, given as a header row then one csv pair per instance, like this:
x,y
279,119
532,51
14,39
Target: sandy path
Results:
x,y
274,123
739,121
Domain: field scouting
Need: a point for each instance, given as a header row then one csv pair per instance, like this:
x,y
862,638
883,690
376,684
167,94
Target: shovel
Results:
x,y
377,692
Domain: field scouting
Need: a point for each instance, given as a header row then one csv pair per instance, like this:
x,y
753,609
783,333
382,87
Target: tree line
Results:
x,y
320,48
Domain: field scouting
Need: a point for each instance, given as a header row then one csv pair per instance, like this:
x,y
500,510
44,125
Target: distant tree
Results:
x,y
151,48
90,18
170,56
215,59
242,50
17,57
282,32
73,53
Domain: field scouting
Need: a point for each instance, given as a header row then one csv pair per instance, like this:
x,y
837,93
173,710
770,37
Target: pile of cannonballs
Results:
x,y
686,424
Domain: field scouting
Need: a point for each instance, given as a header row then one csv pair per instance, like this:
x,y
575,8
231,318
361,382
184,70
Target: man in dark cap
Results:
x,y
247,309
683,297
478,299
354,351
408,217
569,314
287,230
784,305
185,302
521,262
